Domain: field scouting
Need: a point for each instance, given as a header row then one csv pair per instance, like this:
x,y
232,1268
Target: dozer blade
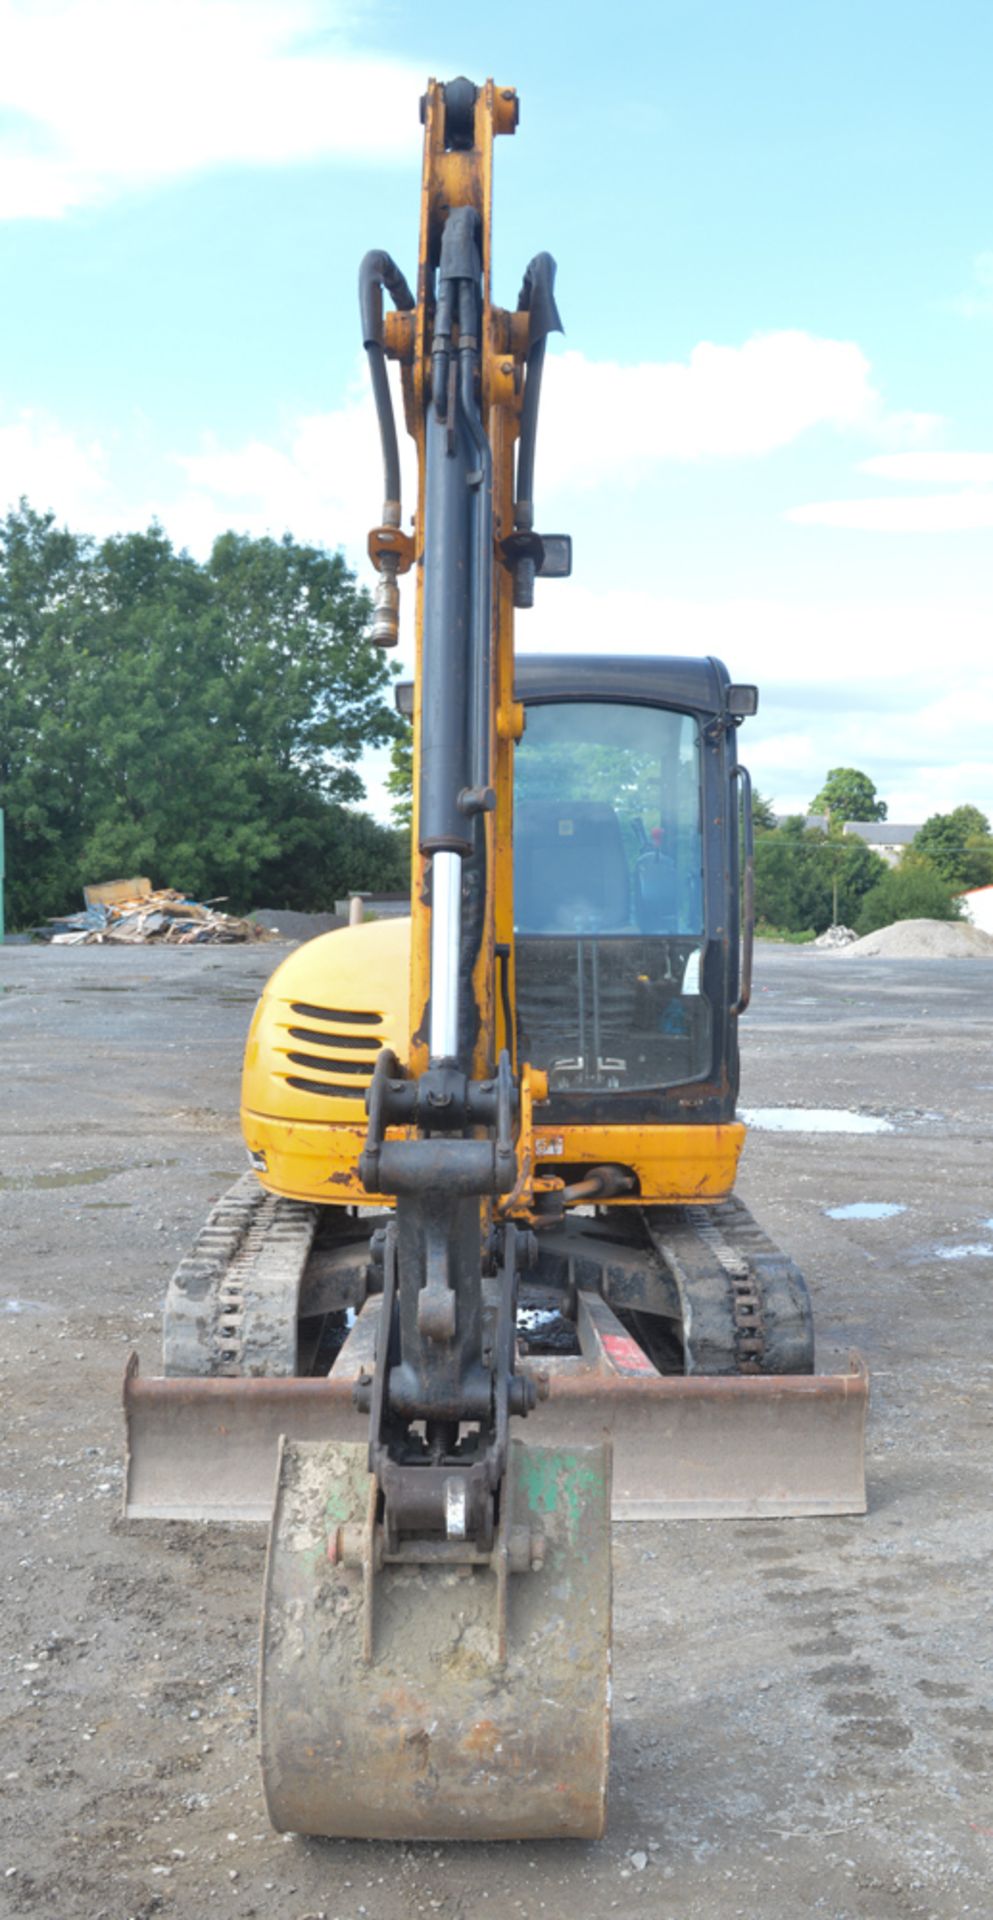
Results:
x,y
419,1701
780,1445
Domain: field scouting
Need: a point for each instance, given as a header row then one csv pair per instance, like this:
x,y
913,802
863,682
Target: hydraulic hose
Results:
x,y
377,271
537,300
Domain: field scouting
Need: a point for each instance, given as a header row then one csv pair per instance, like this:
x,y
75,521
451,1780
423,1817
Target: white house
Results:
x,y
885,837
978,905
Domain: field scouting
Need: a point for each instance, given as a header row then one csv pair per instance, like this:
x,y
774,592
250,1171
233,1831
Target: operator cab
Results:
x,y
625,878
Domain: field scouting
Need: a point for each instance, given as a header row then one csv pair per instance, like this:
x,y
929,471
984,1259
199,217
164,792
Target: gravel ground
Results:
x,y
804,1709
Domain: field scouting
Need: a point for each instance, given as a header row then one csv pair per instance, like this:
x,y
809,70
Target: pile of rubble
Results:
x,y
836,937
166,917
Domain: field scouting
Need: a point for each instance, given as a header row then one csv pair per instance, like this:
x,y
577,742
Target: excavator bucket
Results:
x,y
446,1698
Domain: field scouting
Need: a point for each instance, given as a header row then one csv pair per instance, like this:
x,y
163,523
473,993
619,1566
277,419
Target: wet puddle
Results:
x,y
978,1250
813,1120
91,1177
26,1307
33,1181
865,1210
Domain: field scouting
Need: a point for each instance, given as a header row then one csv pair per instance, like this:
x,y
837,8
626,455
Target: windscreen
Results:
x,y
608,896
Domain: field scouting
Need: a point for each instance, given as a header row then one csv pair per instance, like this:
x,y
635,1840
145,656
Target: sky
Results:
x,y
768,427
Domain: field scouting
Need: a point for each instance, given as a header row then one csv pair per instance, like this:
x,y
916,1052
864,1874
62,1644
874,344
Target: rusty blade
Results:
x,y
721,1448
206,1449
684,1447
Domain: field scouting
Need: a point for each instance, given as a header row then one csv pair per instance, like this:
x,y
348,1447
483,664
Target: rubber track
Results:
x,y
231,1306
745,1304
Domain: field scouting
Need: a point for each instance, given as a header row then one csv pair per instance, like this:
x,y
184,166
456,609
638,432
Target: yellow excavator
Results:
x,y
494,1147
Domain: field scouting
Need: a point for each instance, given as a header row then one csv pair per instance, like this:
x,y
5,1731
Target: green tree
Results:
x,y
791,891
848,794
43,583
914,890
959,844
854,870
763,817
199,723
805,878
400,779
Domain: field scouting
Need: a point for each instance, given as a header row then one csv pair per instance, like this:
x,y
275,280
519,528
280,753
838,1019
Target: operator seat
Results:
x,y
656,892
570,869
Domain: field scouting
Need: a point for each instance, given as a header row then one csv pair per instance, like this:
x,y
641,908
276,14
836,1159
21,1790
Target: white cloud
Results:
x,y
322,481
104,96
798,643
978,303
964,511
601,419
601,422
927,513
933,469
849,683
321,477
51,468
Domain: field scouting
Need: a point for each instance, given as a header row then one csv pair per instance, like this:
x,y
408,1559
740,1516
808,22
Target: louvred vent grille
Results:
x,y
337,1056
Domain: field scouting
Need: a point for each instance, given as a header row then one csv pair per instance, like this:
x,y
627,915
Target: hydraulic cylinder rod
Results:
x,y
446,940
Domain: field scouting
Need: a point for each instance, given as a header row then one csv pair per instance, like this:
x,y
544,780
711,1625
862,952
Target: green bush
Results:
x,y
914,890
785,935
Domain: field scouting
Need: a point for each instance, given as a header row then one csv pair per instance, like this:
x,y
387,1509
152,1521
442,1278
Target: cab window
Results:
x,y
608,895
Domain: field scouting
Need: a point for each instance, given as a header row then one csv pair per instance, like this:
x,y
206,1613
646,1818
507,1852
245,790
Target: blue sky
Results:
x,y
769,427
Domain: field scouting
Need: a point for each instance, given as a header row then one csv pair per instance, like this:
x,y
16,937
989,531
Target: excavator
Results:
x,y
487,1285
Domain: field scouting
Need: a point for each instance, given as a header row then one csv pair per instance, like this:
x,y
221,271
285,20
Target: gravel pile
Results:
x,y
923,940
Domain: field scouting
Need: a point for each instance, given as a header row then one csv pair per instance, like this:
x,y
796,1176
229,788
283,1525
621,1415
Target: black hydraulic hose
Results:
x,y
387,433
377,271
537,300
524,504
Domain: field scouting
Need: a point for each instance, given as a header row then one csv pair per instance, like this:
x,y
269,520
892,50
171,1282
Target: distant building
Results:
x,y
977,903
885,837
